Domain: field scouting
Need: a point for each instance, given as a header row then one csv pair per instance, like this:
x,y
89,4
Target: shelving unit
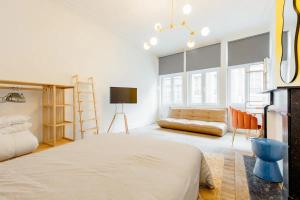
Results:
x,y
55,109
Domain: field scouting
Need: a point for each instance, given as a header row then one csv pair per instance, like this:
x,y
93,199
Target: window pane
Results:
x,y
211,87
196,84
256,83
177,89
237,86
166,91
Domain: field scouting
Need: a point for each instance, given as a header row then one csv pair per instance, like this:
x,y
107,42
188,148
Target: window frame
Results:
x,y
203,84
247,83
161,77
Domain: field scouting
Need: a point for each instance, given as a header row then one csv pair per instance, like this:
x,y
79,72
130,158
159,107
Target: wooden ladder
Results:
x,y
90,92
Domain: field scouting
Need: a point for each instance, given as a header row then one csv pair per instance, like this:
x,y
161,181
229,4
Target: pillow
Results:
x,y
25,142
6,121
17,144
16,128
7,147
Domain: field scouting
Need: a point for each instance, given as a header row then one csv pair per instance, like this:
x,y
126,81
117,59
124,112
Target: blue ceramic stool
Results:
x,y
268,152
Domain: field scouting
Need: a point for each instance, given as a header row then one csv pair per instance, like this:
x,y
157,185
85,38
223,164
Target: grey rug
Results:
x,y
258,188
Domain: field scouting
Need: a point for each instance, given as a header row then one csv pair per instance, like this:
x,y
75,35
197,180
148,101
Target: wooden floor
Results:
x,y
234,185
43,147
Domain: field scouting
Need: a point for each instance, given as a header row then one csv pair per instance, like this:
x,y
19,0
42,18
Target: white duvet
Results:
x,y
107,168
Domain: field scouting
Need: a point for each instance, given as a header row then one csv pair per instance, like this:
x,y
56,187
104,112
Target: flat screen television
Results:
x,y
123,95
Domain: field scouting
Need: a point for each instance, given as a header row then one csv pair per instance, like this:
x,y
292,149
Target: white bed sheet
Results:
x,y
111,167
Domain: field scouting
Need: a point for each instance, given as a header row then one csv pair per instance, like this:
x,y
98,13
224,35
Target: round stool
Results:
x,y
267,152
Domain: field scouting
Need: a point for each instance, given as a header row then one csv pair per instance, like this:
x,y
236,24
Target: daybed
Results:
x,y
207,121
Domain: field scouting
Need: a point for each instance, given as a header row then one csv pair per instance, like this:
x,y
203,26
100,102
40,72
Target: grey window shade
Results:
x,y
171,64
204,57
284,45
249,50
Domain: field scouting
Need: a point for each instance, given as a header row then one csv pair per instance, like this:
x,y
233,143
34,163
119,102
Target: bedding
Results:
x,y
15,128
107,167
17,144
7,147
25,142
6,121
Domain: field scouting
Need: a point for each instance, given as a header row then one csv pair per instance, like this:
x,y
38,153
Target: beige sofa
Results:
x,y
207,121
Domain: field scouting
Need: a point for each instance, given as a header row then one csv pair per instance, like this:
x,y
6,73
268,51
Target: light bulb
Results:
x,y
146,46
153,41
205,31
158,27
187,9
190,44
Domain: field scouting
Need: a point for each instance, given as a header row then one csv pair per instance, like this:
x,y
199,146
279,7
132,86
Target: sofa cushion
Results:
x,y
213,128
209,115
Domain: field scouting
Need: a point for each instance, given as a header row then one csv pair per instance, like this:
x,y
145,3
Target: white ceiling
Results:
x,y
134,19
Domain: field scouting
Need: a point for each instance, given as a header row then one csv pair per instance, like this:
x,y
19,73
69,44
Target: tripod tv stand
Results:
x,y
122,95
124,117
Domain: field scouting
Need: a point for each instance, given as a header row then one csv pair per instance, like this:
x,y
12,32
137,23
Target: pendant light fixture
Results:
x,y
158,27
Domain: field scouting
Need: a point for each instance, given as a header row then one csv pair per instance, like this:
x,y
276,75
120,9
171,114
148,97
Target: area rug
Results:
x,y
258,188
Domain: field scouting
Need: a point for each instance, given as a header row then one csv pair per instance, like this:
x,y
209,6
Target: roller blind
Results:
x,y
171,64
204,57
249,50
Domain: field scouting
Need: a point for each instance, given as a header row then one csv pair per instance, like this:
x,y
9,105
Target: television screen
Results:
x,y
123,95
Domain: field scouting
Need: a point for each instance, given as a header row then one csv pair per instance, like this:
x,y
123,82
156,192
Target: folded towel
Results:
x,y
16,128
6,121
17,144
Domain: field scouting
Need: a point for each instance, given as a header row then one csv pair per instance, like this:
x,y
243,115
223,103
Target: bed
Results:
x,y
107,167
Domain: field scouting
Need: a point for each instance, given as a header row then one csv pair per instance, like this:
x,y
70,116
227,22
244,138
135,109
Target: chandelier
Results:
x,y
186,10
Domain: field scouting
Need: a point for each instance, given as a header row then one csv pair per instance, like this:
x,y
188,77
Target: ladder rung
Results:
x,y
87,120
85,110
91,129
86,101
84,83
85,92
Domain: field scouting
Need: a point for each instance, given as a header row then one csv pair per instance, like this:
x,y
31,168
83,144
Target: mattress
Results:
x,y
107,167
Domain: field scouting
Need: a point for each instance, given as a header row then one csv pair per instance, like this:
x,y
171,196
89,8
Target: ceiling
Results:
x,y
134,19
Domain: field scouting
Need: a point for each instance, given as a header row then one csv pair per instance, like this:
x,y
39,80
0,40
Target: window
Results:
x,y
196,97
172,90
166,90
256,86
203,87
237,85
211,87
246,82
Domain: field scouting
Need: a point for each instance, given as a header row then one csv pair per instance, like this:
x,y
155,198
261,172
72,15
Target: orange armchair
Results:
x,y
243,120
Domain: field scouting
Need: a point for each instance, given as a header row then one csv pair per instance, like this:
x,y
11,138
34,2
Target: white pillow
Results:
x,y
7,147
17,144
25,142
6,121
16,128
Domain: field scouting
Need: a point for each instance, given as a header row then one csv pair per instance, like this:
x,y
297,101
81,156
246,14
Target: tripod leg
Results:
x,y
126,124
111,123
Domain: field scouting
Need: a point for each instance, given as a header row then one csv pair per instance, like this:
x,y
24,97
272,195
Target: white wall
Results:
x,y
43,41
